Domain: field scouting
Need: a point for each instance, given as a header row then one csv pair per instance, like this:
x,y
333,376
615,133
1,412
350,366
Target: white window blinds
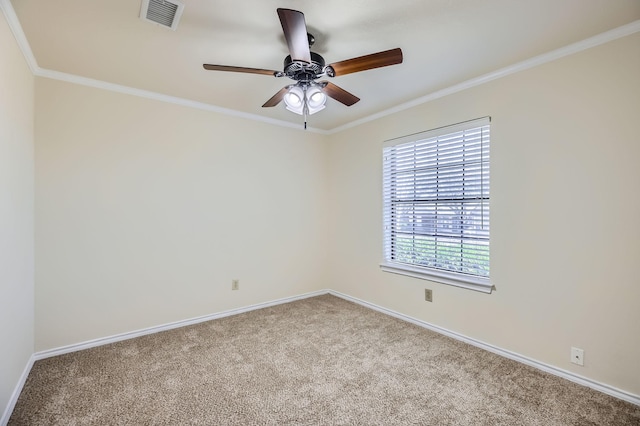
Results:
x,y
436,203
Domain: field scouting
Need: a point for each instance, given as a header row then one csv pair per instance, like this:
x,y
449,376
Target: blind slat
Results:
x,y
436,199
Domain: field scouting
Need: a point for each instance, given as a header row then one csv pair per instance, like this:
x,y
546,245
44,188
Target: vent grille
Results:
x,y
162,12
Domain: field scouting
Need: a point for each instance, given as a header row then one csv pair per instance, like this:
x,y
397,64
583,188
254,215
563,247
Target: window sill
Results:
x,y
459,280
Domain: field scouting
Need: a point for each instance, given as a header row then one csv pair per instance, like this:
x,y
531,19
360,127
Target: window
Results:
x,y
436,205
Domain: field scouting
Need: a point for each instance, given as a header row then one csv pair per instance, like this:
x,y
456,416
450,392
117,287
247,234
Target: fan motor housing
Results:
x,y
304,71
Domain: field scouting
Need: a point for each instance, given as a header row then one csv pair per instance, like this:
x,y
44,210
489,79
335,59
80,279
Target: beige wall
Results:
x,y
145,212
565,204
16,213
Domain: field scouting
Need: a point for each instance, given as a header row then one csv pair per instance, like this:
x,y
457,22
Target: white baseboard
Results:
x,y
156,329
132,334
601,387
16,392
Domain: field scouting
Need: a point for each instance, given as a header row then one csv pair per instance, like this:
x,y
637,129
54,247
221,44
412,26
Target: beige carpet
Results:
x,y
318,361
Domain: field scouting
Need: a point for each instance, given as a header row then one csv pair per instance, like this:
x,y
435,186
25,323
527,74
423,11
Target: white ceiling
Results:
x,y
445,42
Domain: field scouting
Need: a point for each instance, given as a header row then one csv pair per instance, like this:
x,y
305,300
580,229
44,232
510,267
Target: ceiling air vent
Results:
x,y
163,12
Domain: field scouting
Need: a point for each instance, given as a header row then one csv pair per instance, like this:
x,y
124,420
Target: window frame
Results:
x,y
458,279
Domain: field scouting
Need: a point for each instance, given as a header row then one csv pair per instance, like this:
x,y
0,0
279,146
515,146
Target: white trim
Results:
x,y
21,39
23,44
444,277
412,142
601,387
99,84
4,420
169,326
575,378
588,43
438,131
607,36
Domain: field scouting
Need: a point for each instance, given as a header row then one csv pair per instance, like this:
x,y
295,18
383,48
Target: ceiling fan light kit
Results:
x,y
305,100
308,96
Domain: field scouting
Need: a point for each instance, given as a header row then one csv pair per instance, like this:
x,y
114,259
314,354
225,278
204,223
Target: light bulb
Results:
x,y
294,100
315,99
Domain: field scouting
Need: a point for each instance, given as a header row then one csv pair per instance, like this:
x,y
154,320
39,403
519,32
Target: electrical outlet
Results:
x,y
235,284
428,295
577,356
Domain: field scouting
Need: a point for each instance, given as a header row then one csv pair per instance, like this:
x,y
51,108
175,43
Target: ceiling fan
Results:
x,y
308,96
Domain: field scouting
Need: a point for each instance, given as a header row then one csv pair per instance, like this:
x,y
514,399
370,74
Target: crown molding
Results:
x,y
18,33
21,39
588,43
36,70
99,84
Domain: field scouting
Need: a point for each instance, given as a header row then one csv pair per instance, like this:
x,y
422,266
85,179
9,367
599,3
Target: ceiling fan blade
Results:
x,y
240,69
339,94
275,99
367,62
295,32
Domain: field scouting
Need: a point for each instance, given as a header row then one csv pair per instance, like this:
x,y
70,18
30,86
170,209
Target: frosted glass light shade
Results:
x,y
294,100
315,99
